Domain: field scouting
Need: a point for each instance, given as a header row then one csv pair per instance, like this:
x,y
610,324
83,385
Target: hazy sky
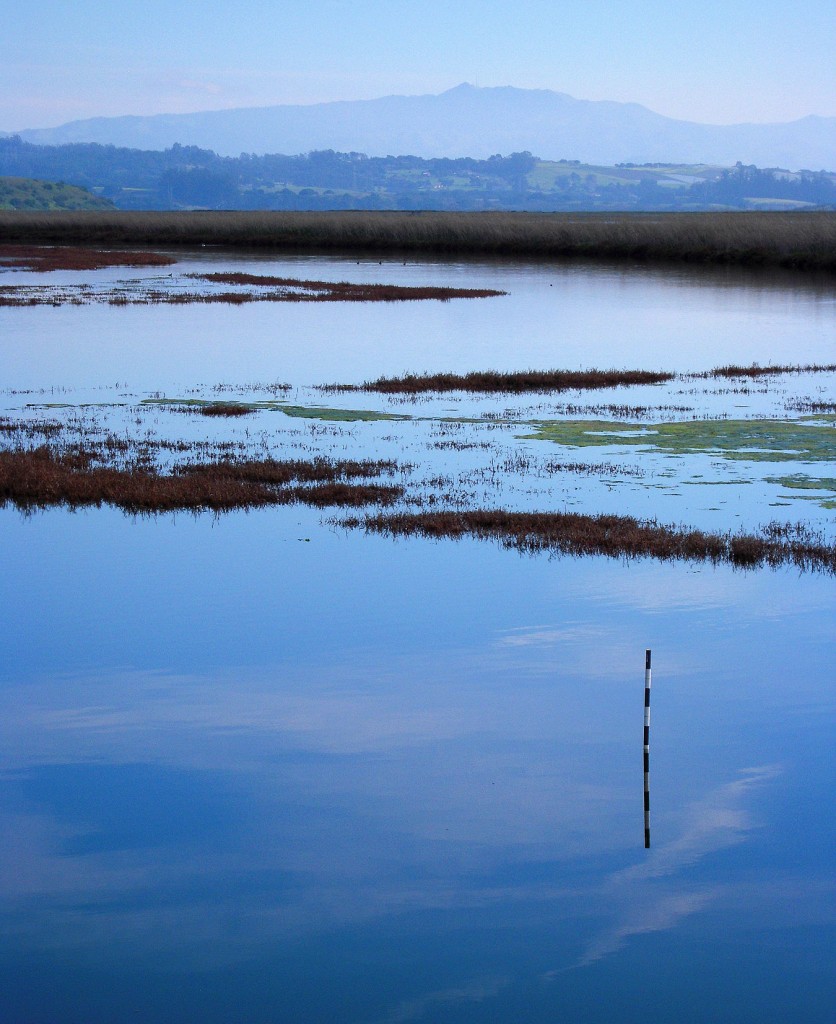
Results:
x,y
719,61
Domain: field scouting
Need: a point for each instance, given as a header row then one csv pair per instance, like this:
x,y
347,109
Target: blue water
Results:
x,y
254,776
257,768
554,315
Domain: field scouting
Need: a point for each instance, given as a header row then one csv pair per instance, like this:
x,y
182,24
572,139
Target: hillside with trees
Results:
x,y
186,177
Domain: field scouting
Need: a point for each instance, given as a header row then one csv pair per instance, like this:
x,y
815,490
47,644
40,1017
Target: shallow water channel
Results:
x,y
258,767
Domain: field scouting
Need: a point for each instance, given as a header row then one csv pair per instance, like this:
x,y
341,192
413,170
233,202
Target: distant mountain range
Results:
x,y
469,121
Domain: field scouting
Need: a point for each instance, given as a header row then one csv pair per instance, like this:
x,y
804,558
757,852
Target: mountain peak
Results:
x,y
469,120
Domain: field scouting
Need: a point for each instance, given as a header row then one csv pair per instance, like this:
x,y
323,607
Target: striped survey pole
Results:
x,y
647,750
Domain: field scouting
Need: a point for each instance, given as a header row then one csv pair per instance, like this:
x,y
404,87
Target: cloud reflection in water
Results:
x,y
715,823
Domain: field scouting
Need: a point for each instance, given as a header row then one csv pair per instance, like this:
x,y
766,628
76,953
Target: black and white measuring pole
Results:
x,y
647,750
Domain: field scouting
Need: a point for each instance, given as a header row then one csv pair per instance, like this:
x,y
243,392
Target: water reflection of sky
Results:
x,y
554,315
253,776
259,769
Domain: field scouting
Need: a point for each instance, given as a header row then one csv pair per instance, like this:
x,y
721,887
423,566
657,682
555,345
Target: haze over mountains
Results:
x,y
469,121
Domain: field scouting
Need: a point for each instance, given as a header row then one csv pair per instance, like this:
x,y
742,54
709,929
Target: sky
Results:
x,y
715,61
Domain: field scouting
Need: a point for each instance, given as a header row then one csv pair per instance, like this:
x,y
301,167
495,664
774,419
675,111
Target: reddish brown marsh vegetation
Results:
x,y
346,291
284,471
68,295
611,535
30,428
811,406
489,381
756,370
42,477
37,257
270,289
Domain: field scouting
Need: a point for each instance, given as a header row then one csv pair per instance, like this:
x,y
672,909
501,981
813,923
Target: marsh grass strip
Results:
x,y
613,536
800,239
773,370
293,289
517,382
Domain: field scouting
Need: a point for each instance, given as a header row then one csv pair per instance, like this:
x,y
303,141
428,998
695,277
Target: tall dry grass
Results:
x,y
800,239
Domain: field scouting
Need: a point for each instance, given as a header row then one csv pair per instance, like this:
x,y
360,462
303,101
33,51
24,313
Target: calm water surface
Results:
x,y
260,769
554,316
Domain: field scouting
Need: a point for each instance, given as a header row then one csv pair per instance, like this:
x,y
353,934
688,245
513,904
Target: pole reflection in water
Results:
x,y
647,750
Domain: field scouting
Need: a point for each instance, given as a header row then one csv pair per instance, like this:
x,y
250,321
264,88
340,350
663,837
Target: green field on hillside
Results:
x,y
30,194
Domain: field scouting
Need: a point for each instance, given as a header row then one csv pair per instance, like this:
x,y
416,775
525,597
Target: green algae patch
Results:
x,y
810,439
193,403
826,503
80,405
337,415
715,483
298,411
802,482
203,403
